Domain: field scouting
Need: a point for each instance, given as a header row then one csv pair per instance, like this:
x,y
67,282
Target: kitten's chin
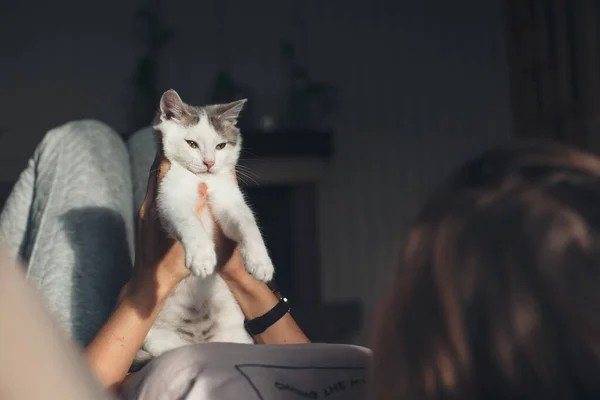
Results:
x,y
212,172
204,174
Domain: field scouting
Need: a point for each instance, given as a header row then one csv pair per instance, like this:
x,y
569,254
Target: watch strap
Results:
x,y
260,324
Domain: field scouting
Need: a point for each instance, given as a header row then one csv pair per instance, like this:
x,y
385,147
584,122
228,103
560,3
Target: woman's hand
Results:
x,y
256,299
159,262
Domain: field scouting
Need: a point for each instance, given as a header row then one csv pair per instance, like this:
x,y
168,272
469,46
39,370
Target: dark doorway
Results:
x,y
272,207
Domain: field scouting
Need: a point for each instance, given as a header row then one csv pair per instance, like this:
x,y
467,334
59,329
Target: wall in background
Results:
x,y
424,85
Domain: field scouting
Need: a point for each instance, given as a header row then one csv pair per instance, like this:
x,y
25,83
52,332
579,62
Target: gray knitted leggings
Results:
x,y
70,219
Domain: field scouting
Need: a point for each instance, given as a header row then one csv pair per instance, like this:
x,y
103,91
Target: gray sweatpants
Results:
x,y
70,220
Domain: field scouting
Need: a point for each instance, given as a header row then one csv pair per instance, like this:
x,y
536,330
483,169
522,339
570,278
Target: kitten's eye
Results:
x,y
220,146
192,144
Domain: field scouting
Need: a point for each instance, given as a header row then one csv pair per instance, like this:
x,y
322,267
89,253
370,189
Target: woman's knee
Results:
x,y
87,136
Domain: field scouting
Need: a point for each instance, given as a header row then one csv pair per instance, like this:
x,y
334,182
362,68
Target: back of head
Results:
x,y
497,295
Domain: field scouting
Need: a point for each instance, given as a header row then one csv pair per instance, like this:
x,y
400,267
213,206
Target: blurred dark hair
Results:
x,y
497,294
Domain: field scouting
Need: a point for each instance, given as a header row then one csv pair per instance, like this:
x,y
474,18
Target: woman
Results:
x,y
494,297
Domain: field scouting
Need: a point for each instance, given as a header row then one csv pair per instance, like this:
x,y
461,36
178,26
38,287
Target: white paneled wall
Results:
x,y
423,86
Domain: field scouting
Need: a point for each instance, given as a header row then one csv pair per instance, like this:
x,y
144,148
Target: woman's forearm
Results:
x,y
111,352
255,299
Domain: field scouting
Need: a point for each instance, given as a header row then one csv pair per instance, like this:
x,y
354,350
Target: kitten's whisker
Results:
x,y
246,178
242,181
247,173
249,179
246,170
244,151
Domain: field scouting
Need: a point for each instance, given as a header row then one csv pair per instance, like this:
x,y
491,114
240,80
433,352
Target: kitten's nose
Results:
x,y
209,164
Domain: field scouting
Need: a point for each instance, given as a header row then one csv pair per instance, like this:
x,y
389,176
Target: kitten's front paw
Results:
x,y
201,261
258,263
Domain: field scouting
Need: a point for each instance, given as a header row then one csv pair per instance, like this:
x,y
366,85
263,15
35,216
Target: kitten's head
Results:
x,y
204,140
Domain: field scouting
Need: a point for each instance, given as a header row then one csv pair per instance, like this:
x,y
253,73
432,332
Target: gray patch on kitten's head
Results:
x,y
222,117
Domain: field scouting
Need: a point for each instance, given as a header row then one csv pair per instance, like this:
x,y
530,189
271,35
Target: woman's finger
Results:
x,y
202,188
157,172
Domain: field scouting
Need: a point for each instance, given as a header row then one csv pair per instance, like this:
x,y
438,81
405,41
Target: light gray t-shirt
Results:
x,y
227,371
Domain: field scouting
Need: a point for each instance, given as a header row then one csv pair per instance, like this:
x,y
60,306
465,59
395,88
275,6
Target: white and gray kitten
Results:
x,y
203,145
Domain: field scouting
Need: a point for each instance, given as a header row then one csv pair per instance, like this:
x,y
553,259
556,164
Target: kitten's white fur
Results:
x,y
182,320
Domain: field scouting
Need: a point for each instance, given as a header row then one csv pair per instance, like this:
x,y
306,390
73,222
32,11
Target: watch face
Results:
x,y
279,296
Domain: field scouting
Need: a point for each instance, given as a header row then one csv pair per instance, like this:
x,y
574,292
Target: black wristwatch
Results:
x,y
260,324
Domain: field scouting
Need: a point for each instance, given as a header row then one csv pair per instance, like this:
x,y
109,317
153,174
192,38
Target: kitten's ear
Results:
x,y
230,111
171,106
